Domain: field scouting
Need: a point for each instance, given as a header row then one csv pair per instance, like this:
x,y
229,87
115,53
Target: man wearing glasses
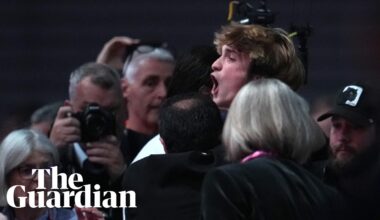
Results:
x,y
146,73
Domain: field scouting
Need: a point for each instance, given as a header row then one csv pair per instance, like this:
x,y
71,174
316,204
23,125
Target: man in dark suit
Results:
x,y
168,186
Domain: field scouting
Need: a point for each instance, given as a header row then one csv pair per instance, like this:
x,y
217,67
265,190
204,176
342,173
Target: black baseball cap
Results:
x,y
355,102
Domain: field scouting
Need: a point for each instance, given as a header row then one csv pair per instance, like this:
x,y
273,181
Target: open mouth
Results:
x,y
215,84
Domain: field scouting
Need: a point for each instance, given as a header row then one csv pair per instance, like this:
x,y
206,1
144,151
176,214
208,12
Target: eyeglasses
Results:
x,y
141,48
25,171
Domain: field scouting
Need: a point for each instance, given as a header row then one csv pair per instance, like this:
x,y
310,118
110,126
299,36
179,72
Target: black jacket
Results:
x,y
360,189
267,188
168,186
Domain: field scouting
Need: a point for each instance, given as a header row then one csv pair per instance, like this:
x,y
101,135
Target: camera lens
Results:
x,y
96,124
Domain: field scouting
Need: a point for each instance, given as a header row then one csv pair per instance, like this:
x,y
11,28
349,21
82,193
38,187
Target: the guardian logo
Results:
x,y
59,194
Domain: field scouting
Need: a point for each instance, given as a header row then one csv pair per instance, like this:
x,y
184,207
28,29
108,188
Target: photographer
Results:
x,y
91,121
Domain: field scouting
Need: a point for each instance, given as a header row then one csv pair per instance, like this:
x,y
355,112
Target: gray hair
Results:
x,y
267,115
45,113
15,148
100,74
138,58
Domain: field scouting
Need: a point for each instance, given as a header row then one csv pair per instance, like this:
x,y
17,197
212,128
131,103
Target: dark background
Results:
x,y
41,42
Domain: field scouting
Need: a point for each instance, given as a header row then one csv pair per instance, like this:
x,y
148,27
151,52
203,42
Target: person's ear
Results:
x,y
125,88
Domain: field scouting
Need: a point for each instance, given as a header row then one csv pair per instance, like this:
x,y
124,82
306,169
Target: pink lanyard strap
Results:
x,y
254,155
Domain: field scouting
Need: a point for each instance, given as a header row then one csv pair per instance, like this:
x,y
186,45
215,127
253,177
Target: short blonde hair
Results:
x,y
272,52
15,148
267,115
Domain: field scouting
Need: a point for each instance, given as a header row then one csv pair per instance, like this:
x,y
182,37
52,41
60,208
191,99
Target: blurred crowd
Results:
x,y
215,132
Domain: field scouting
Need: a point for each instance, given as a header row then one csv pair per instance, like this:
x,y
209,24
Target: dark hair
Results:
x,y
45,113
192,71
190,122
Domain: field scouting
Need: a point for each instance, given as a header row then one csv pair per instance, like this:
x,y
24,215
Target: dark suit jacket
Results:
x,y
168,186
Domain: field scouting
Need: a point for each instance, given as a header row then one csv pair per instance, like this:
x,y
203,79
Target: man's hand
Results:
x,y
113,51
89,214
66,129
107,152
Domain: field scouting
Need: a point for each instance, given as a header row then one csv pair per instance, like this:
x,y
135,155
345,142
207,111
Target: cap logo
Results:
x,y
352,95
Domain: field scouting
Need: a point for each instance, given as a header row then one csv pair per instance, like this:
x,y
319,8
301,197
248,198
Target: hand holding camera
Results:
x,y
101,146
65,130
95,128
106,152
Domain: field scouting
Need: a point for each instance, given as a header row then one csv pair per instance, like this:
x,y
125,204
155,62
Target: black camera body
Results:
x,y
95,123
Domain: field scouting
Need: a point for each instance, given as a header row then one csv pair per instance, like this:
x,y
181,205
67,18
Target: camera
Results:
x,y
96,123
